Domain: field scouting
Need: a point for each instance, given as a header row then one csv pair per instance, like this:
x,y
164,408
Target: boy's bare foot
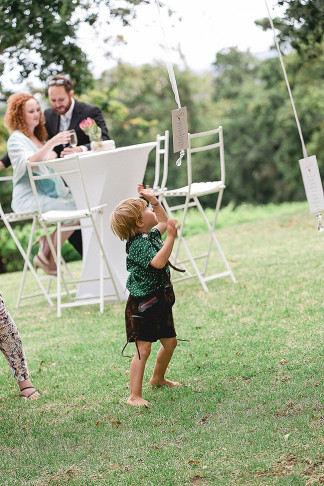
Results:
x,y
164,382
138,402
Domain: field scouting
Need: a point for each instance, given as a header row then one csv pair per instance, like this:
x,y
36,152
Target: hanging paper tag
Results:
x,y
180,129
312,183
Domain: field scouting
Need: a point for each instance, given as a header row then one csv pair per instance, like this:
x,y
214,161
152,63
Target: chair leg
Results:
x,y
180,238
58,269
213,238
181,241
211,229
174,255
101,268
29,265
193,263
30,244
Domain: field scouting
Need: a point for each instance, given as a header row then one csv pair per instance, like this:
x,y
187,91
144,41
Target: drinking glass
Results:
x,y
73,139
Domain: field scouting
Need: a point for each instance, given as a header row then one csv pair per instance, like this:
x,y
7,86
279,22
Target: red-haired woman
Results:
x,y
26,124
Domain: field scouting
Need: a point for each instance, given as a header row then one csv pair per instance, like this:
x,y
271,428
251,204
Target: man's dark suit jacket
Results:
x,y
80,112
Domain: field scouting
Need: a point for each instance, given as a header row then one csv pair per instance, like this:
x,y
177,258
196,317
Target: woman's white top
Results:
x,y
53,194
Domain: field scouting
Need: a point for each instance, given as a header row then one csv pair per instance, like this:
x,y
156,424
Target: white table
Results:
x,y
110,176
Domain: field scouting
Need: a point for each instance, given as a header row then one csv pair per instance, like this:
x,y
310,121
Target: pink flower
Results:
x,y
90,127
87,123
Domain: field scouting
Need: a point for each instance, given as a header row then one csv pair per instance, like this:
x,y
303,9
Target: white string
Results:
x,y
318,214
172,77
287,83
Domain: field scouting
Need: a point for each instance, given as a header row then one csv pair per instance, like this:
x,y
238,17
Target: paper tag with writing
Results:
x,y
312,183
180,129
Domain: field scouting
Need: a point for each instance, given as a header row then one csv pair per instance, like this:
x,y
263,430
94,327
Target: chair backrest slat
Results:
x,y
208,132
219,144
205,147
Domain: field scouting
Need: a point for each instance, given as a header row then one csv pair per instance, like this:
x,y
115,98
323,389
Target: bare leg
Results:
x,y
44,258
162,360
65,235
136,374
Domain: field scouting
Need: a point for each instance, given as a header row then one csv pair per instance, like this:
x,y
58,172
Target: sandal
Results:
x,y
38,262
30,394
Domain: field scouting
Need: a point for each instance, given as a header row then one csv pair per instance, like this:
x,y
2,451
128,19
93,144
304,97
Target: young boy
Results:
x,y
147,262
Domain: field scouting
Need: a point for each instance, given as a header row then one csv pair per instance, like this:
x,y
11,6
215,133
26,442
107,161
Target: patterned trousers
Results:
x,y
11,346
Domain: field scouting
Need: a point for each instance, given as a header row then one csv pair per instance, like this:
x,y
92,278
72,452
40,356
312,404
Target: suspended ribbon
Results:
x,y
172,77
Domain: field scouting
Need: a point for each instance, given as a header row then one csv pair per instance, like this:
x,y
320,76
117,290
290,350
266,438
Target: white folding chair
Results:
x,y
191,193
9,219
162,149
64,220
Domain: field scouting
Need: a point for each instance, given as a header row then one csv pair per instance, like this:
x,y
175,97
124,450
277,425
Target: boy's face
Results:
x,y
148,219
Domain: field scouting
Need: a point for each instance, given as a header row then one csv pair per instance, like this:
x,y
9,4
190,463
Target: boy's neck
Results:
x,y
144,230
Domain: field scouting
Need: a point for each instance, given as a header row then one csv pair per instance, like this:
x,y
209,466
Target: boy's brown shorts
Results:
x,y
160,325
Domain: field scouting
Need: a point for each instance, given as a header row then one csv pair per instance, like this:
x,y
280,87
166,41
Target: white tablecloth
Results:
x,y
110,176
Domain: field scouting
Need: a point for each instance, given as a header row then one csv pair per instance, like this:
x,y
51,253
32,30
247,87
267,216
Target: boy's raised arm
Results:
x,y
162,256
160,213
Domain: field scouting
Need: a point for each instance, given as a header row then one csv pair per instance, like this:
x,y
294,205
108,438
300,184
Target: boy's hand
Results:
x,y
172,227
147,193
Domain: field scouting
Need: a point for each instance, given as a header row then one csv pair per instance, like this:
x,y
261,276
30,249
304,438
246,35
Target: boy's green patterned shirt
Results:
x,y
143,278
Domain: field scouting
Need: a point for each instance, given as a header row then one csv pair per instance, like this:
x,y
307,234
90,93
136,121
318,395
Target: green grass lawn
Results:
x,y
250,408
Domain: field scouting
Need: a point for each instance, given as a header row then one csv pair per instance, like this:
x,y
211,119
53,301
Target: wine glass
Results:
x,y
73,139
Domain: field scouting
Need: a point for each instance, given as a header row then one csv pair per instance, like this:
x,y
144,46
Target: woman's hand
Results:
x,y
46,152
61,138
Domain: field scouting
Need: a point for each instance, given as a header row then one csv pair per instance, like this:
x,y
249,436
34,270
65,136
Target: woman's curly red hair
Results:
x,y
15,120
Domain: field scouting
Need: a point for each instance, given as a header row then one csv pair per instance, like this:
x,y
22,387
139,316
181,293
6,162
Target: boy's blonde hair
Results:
x,y
124,217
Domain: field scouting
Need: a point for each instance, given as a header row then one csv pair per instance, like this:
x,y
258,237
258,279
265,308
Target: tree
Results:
x,y
262,145
302,26
232,68
42,35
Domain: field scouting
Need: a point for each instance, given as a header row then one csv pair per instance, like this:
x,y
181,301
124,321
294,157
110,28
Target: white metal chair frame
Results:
x,y
162,149
192,192
9,218
60,218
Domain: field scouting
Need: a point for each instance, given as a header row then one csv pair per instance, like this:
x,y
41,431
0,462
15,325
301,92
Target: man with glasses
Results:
x,y
66,113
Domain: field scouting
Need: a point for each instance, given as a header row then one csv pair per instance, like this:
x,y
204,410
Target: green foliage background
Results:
x,y
244,94
43,36
247,96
